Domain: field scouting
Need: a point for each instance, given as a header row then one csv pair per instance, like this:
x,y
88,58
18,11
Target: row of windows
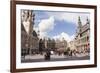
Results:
x,y
83,40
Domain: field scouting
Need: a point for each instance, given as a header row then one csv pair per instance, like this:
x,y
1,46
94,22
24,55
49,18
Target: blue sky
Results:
x,y
55,23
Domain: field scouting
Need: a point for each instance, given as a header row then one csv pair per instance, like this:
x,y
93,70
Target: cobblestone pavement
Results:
x,y
41,58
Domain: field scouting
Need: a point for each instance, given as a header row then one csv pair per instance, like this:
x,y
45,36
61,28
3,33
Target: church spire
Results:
x,y
79,24
27,20
87,21
32,17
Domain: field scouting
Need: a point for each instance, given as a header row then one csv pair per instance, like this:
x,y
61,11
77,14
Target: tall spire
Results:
x,y
79,24
32,15
87,21
27,20
38,33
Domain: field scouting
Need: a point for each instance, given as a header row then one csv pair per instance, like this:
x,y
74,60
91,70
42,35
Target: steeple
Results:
x,y
79,22
79,25
32,15
87,21
27,20
38,33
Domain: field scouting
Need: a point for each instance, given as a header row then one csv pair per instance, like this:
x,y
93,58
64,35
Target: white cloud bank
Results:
x,y
45,26
65,36
70,17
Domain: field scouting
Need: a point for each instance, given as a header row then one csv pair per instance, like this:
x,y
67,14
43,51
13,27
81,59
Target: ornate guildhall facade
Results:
x,y
29,38
82,41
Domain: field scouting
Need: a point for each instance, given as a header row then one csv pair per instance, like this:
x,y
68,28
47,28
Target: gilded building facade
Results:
x,y
82,39
71,45
61,44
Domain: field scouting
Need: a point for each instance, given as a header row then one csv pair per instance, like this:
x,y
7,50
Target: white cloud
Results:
x,y
65,36
46,25
72,37
73,17
70,17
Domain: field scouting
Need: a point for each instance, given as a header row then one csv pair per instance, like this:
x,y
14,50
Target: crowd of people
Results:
x,y
61,52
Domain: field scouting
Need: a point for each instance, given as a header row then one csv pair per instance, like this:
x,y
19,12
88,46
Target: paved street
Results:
x,y
41,58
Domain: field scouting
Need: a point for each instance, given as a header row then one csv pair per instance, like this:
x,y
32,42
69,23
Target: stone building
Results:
x,y
29,38
82,39
61,44
71,45
49,44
